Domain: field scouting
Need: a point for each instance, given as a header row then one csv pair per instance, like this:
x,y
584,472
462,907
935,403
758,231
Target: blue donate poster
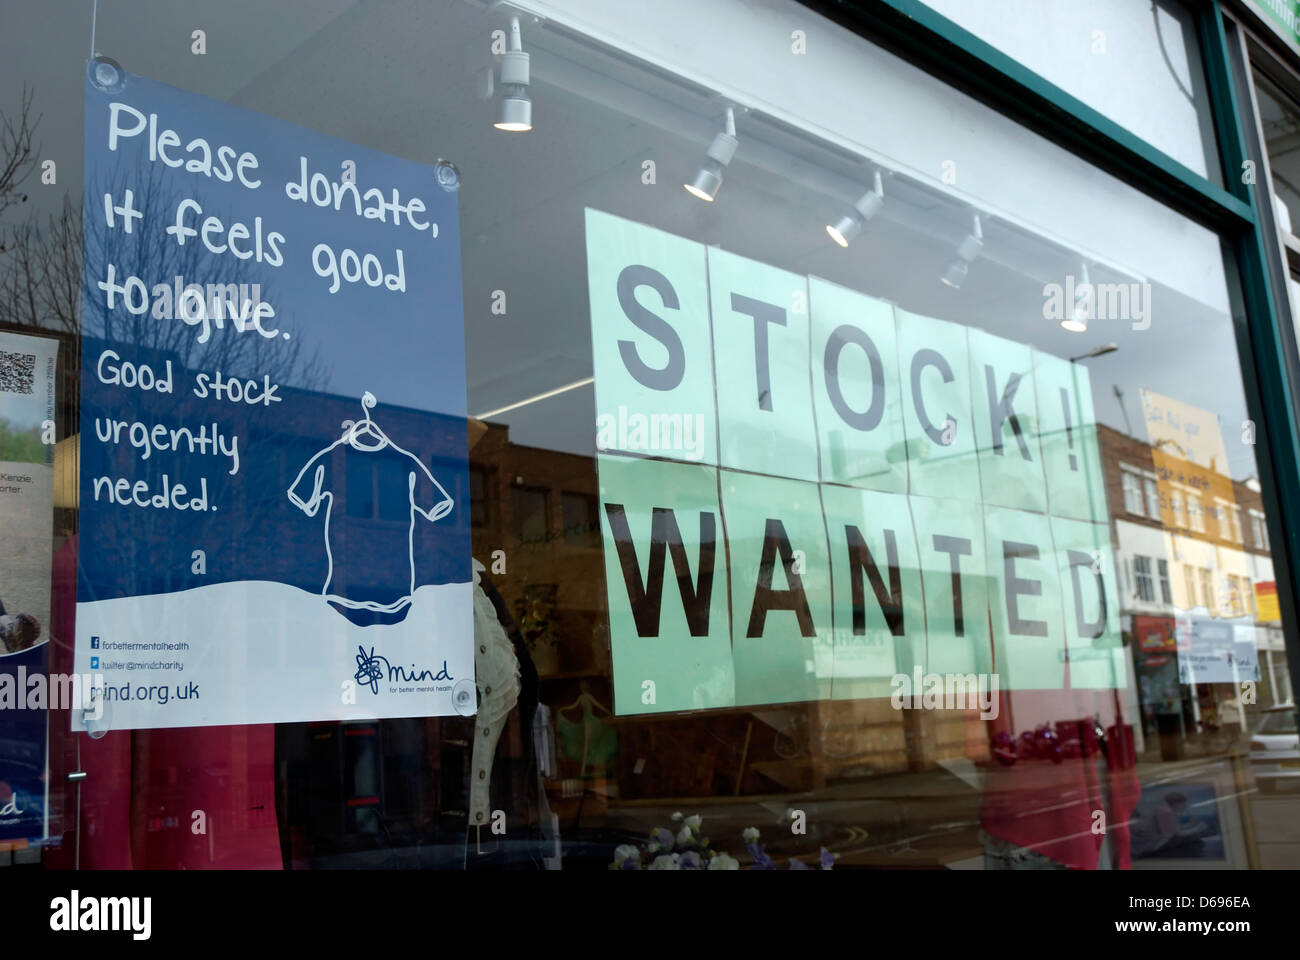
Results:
x,y
273,490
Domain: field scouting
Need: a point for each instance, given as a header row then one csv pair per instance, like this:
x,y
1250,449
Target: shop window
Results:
x,y
1142,574
1236,596
528,509
1132,482
1189,586
1259,530
1153,498
1228,517
1280,118
479,503
1209,595
581,526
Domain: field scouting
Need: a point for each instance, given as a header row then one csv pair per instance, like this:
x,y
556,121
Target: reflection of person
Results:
x,y
1230,717
1167,830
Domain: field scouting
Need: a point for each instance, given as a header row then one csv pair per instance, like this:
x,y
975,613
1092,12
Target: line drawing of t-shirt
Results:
x,y
424,497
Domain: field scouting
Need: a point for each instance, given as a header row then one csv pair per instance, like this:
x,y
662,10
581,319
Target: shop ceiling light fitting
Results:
x,y
1077,319
843,230
515,109
967,252
709,178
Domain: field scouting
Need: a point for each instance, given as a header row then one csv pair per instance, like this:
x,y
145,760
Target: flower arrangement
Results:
x,y
689,849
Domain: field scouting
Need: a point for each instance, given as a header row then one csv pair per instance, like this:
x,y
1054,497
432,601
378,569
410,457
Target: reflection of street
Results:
x,y
922,820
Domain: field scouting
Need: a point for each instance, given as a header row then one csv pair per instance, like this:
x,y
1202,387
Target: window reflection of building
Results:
x,y
1177,571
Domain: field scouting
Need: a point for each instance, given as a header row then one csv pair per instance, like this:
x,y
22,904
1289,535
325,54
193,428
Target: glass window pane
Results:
x,y
1132,493
1153,498
580,524
478,497
1189,586
1142,574
528,509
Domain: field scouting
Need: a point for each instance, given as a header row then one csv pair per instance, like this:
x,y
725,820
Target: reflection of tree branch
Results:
x,y
41,283
45,281
17,155
155,257
42,286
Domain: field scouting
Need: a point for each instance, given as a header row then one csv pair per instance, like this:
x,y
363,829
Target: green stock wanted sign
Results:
x,y
805,491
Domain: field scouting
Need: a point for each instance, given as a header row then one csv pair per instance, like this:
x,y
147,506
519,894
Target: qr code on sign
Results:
x,y
17,372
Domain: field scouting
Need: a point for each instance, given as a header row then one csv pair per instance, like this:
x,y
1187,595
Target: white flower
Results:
x,y
626,852
685,837
723,862
666,862
750,835
694,821
677,817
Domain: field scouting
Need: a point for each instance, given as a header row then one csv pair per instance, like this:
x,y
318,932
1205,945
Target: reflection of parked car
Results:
x,y
1275,751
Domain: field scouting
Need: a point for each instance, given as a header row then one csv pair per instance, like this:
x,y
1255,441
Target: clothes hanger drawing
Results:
x,y
318,495
354,429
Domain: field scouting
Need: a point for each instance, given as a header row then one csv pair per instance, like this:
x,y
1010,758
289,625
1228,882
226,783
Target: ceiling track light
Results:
x,y
967,252
721,150
514,109
1080,309
843,230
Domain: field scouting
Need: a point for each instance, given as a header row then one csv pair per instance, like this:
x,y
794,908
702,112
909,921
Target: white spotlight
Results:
x,y
955,275
967,251
843,230
1077,320
515,109
709,178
